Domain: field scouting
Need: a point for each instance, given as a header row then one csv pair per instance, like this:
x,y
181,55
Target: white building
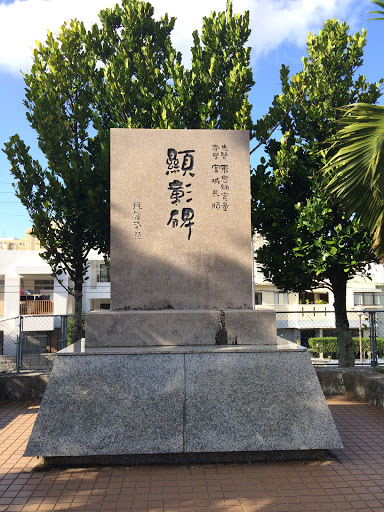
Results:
x,y
27,288
310,314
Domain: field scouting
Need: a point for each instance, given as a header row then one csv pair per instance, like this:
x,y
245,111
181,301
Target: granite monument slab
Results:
x,y
180,219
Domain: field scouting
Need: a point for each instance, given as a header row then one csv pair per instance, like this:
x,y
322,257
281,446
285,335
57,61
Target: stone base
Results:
x,y
180,327
186,458
179,401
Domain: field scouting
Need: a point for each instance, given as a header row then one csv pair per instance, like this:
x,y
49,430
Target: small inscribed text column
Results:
x,y
137,210
220,178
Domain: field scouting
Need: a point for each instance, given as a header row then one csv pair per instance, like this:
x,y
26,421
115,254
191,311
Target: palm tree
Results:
x,y
356,171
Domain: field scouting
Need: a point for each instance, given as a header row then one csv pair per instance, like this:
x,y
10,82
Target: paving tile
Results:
x,y
350,479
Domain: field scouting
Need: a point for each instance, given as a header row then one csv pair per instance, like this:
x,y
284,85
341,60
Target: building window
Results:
x,y
280,298
313,298
258,298
366,299
43,285
103,275
37,287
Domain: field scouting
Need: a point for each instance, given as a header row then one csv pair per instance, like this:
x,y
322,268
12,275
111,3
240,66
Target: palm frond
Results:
x,y
356,172
379,3
378,239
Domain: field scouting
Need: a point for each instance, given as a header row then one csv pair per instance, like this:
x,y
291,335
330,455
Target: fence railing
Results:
x,y
36,307
301,325
31,341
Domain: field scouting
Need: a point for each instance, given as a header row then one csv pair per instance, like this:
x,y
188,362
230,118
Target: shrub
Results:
x,y
70,325
328,346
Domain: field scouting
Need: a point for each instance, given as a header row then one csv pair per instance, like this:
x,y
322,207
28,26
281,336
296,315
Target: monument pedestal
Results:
x,y
182,369
181,327
182,404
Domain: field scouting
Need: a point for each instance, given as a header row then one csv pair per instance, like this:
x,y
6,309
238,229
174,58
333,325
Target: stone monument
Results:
x,y
182,368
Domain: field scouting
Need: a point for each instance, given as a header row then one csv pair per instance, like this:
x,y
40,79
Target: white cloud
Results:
x,y
273,22
25,21
276,22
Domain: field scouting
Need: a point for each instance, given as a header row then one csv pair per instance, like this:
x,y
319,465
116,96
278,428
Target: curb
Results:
x,y
365,383
24,387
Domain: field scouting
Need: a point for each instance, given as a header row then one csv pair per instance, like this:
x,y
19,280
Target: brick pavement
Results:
x,y
350,479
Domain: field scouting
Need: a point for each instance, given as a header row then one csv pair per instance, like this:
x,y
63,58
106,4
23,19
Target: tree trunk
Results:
x,y
344,336
78,316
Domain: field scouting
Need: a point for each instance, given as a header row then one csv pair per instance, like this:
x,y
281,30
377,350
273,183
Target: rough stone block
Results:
x,y
180,327
175,400
110,405
256,401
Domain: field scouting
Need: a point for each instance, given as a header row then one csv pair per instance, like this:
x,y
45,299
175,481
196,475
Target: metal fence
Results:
x,y
305,323
9,340
30,342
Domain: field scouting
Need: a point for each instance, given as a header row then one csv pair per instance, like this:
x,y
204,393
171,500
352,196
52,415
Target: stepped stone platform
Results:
x,y
182,401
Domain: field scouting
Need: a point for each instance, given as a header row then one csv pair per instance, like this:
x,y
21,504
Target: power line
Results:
x,y
85,288
15,214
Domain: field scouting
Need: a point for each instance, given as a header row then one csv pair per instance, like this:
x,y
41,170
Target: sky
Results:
x,y
279,31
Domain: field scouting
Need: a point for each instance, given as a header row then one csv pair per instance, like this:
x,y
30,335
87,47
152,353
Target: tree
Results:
x,y
356,170
125,73
214,93
311,242
68,200
144,85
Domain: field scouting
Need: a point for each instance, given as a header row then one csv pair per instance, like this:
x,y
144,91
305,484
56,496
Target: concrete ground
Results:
x,y
349,479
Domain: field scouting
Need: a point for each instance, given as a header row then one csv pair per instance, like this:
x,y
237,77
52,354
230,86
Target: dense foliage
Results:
x,y
70,330
355,172
329,348
124,73
68,199
310,240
